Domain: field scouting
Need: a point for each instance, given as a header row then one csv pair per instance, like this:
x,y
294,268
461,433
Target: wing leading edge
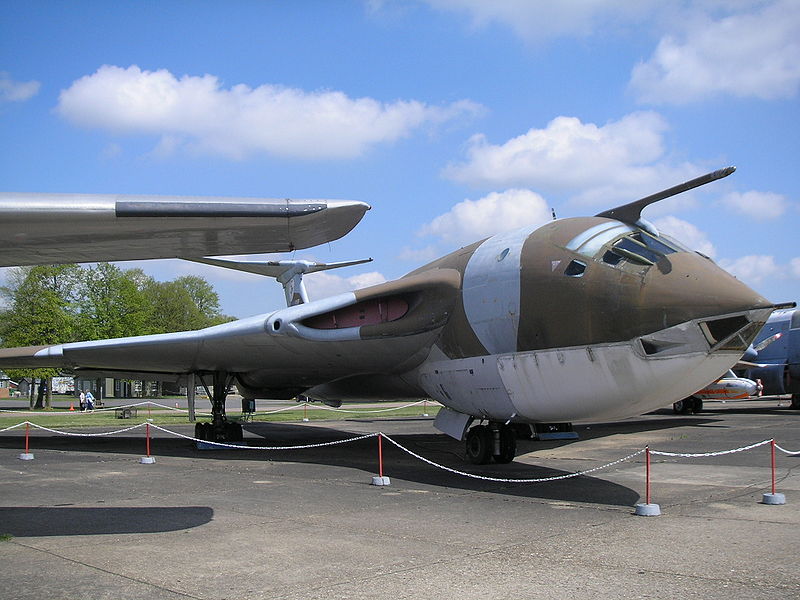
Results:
x,y
62,228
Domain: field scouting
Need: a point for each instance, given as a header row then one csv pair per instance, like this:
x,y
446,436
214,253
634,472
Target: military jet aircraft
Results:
x,y
777,354
582,319
66,228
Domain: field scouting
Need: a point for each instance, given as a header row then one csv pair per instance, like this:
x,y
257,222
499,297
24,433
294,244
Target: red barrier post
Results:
x,y
772,447
648,509
647,476
147,460
380,479
380,455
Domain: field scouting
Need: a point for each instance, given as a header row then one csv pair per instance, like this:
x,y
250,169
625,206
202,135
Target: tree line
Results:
x,y
54,304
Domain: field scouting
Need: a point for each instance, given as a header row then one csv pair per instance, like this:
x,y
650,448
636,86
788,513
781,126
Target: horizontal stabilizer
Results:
x,y
289,273
276,268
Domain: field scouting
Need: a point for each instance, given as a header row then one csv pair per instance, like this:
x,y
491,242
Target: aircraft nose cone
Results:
x,y
686,286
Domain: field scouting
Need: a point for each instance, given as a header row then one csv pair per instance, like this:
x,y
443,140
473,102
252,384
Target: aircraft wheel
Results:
x,y
199,431
795,402
479,445
697,405
683,407
233,432
508,445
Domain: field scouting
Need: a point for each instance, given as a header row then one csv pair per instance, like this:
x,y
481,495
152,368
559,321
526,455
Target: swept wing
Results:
x,y
61,228
382,329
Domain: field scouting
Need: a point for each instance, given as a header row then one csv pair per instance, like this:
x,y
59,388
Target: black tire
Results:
x,y
479,445
199,431
233,432
683,407
697,405
795,402
508,445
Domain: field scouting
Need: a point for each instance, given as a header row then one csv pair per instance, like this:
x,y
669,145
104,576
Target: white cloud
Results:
x,y
616,162
324,284
16,91
539,21
754,269
472,220
199,114
794,267
749,54
686,233
419,255
757,205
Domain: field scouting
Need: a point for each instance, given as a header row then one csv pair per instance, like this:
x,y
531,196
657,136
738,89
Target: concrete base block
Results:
x,y
648,510
305,420
380,481
147,460
776,498
26,456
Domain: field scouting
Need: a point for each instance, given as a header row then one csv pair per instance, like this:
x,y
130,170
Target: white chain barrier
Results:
x,y
150,403
785,451
505,480
705,454
242,446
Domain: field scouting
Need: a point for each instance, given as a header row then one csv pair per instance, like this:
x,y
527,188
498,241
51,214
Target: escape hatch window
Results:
x,y
575,269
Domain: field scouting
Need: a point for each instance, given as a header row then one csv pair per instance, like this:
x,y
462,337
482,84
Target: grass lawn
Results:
x,y
60,418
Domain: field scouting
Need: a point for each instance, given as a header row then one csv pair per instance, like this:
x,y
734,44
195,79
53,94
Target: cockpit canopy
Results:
x,y
613,243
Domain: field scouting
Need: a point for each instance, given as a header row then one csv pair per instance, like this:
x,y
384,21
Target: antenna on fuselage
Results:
x,y
553,210
289,273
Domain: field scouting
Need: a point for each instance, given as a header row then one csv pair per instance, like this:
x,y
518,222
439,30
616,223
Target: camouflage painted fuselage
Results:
x,y
584,319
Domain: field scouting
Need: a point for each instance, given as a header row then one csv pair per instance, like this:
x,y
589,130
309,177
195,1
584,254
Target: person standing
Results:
x,y
82,401
89,400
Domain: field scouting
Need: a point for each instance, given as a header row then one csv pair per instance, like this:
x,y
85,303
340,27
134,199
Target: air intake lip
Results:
x,y
735,332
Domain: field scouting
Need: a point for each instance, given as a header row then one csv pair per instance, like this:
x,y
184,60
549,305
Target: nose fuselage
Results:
x,y
586,319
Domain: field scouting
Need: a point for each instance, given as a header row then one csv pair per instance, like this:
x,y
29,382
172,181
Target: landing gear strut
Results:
x,y
485,442
220,429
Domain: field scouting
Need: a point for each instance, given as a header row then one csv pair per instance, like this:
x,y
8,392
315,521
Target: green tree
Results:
x,y
171,308
40,310
113,302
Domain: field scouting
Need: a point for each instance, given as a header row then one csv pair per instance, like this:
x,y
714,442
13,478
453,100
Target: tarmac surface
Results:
x,y
85,519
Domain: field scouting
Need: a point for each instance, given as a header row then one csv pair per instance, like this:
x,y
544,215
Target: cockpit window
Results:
x,y
616,243
641,247
575,269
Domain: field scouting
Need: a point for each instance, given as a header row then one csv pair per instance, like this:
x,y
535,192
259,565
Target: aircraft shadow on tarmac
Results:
x,y
399,465
21,521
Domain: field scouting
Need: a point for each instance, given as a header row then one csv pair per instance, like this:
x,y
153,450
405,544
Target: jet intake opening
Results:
x,y
730,333
367,312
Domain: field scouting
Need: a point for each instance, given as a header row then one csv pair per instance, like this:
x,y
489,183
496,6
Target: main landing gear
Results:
x,y
688,405
493,441
220,429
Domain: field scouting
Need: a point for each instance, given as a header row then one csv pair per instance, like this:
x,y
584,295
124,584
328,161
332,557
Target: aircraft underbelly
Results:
x,y
587,383
601,382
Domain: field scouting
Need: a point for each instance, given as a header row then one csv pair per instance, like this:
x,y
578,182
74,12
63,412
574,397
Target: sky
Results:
x,y
453,119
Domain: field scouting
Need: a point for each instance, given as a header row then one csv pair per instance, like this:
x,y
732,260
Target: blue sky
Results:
x,y
454,119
